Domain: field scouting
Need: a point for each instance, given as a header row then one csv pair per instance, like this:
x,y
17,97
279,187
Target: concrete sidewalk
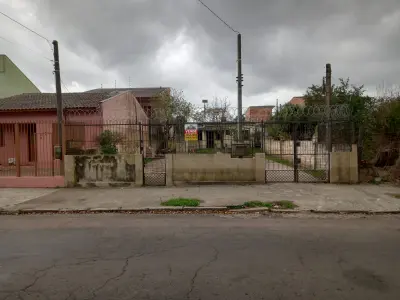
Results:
x,y
320,197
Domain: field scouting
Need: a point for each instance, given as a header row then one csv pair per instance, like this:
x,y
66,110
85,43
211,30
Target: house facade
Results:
x,y
146,97
12,80
29,129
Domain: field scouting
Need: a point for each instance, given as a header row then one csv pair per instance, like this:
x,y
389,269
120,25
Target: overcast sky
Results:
x,y
179,43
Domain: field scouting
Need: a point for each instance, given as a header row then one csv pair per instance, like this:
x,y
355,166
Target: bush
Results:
x,y
108,141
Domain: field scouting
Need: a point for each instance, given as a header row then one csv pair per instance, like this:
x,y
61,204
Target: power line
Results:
x,y
30,49
226,24
27,28
65,87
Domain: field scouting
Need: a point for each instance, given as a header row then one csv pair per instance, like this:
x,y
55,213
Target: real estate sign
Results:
x,y
191,132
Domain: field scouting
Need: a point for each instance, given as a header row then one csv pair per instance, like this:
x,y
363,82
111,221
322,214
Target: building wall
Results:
x,y
12,80
123,113
44,131
92,123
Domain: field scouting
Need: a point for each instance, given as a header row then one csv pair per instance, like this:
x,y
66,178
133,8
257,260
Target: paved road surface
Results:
x,y
199,257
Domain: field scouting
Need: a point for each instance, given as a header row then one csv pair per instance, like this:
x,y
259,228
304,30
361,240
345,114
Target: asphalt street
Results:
x,y
199,257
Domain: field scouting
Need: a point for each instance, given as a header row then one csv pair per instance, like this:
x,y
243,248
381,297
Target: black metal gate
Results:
x,y
153,142
297,152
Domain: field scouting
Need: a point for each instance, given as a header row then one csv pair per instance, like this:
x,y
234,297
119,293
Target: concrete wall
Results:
x,y
344,166
203,168
103,170
12,80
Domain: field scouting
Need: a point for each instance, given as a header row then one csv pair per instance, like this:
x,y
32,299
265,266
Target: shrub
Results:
x,y
108,141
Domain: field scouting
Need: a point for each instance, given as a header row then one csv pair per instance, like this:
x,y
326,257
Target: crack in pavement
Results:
x,y
199,269
123,271
125,268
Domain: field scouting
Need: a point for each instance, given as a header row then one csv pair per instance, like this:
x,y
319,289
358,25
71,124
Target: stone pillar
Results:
x,y
354,164
260,167
138,170
169,164
69,171
344,166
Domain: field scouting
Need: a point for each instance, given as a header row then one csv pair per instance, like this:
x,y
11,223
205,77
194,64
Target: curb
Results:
x,y
190,210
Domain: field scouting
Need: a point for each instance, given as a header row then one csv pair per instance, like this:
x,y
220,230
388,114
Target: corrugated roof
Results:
x,y
49,101
138,92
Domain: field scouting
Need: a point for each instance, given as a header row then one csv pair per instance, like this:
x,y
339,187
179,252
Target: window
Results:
x,y
200,135
147,109
228,132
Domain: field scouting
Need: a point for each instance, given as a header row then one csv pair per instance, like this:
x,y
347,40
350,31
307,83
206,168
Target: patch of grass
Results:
x,y
189,202
253,204
147,160
318,174
279,160
235,206
397,196
283,204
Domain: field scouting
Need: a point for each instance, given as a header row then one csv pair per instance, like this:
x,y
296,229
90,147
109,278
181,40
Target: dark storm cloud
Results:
x,y
286,43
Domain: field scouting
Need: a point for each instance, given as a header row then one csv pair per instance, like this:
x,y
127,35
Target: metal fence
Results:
x,y
29,149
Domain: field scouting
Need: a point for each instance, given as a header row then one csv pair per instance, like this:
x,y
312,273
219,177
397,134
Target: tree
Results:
x,y
292,119
219,110
353,96
170,106
171,112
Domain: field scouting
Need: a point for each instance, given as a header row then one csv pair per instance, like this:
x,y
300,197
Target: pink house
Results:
x,y
29,134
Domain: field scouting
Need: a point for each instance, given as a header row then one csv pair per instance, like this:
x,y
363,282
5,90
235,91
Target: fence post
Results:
x,y
295,152
141,137
263,136
17,149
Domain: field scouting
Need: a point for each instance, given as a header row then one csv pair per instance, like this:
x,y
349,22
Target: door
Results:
x,y
210,139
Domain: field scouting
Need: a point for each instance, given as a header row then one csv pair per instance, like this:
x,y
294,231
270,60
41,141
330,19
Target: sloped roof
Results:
x,y
138,92
49,101
297,101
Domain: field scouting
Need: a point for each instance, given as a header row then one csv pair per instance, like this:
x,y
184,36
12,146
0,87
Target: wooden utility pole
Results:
x,y
328,98
59,98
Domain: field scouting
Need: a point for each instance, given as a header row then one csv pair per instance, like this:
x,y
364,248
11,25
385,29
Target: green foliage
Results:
x,y
376,120
295,119
108,141
354,96
172,107
283,204
189,202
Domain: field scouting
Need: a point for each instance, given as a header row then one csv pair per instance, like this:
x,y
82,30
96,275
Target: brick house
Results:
x,y
258,113
86,115
144,96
